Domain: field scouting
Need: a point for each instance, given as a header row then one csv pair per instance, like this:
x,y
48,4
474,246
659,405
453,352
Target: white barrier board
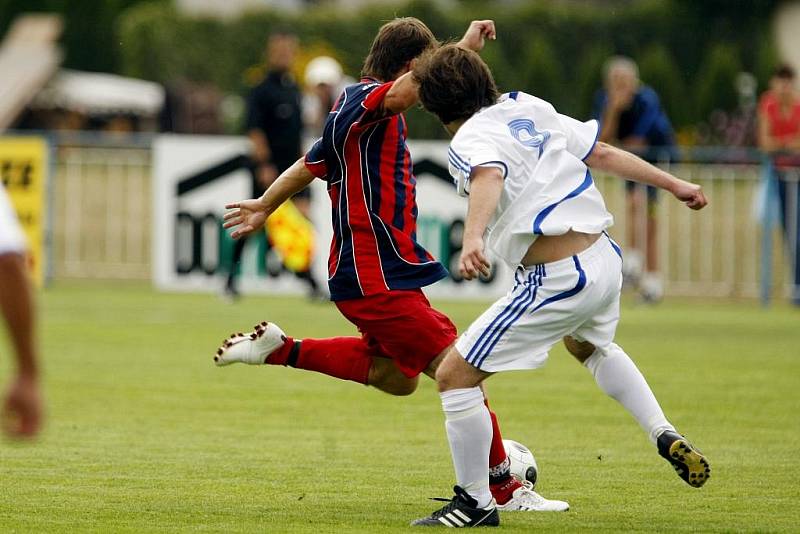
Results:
x,y
194,176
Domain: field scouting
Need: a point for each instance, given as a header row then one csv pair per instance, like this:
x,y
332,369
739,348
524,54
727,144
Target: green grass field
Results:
x,y
144,434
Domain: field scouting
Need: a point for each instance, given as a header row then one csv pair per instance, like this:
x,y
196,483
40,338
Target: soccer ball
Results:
x,y
523,464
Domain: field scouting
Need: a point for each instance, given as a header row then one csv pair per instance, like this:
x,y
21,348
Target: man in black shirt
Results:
x,y
274,126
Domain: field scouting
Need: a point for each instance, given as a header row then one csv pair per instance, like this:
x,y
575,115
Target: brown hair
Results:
x,y
785,72
398,42
454,83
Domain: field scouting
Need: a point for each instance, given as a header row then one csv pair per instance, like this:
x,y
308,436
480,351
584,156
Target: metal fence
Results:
x,y
102,217
101,208
715,252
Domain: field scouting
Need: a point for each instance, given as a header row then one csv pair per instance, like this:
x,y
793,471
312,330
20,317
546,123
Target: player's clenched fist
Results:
x,y
473,262
690,194
476,33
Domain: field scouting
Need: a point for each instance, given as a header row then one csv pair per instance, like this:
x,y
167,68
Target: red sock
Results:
x,y
347,358
497,452
501,483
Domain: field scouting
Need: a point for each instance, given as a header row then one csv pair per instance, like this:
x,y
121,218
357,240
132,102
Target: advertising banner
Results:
x,y
196,176
24,169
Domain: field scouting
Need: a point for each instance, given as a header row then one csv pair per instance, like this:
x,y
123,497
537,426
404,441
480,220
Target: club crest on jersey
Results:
x,y
524,131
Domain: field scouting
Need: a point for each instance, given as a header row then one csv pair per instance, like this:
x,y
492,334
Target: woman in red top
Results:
x,y
779,136
779,114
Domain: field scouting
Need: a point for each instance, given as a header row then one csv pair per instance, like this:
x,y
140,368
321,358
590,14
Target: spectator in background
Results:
x,y
22,406
631,116
324,82
779,136
275,127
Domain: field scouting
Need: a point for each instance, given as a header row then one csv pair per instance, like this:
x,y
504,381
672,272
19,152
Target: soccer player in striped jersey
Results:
x,y
376,266
532,201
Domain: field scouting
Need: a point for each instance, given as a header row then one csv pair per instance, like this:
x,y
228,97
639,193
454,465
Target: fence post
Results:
x,y
767,221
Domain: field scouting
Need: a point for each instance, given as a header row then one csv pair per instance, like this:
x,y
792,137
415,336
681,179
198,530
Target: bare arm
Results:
x,y
613,160
486,185
250,215
22,411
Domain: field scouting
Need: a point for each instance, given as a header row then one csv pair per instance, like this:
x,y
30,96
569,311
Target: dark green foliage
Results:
x,y
658,69
554,50
715,81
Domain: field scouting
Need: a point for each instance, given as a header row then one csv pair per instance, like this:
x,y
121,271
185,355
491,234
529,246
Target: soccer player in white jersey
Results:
x,y
22,407
533,203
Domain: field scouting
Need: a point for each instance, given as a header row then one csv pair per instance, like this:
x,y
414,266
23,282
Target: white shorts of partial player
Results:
x,y
577,296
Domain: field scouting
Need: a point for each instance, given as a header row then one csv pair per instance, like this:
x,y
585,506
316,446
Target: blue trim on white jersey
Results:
x,y
513,95
455,163
594,144
537,222
457,157
614,245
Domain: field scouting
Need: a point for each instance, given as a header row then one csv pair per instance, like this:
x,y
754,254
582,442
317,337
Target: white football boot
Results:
x,y
252,348
524,499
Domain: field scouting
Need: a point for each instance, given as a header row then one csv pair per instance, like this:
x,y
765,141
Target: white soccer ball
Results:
x,y
523,464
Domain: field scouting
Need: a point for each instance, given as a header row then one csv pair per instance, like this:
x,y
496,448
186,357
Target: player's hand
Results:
x,y
473,262
475,36
690,194
247,216
22,409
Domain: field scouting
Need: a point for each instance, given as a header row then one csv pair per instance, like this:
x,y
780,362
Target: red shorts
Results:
x,y
401,325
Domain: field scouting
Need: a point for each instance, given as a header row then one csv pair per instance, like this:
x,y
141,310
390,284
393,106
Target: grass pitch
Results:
x,y
144,434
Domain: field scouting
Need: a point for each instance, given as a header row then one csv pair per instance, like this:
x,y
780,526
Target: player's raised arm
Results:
x,y
631,167
486,185
248,216
476,35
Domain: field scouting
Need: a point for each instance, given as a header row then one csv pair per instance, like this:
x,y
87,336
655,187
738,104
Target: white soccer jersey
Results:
x,y
548,187
11,237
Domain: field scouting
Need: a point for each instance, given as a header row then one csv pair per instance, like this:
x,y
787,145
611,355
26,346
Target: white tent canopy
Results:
x,y
98,94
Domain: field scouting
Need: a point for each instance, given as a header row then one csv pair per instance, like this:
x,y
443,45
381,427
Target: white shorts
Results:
x,y
577,296
12,239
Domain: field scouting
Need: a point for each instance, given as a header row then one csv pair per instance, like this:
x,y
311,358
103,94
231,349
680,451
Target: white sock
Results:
x,y
620,379
469,431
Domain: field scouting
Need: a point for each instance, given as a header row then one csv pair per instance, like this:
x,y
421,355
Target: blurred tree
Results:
x,y
766,63
540,72
590,79
715,85
658,69
89,36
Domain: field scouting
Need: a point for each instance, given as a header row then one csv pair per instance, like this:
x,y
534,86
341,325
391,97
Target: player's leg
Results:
x,y
634,223
651,286
614,371
469,432
351,358
494,339
619,378
501,484
230,283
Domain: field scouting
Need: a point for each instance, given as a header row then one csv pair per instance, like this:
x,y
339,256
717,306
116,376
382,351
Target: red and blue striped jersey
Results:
x,y
364,159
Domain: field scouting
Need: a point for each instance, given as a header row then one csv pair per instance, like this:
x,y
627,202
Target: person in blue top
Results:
x,y
631,116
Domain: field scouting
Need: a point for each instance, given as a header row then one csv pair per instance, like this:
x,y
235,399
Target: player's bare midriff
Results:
x,y
550,248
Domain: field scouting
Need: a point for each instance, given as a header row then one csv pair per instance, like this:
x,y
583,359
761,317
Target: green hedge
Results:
x,y
554,50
